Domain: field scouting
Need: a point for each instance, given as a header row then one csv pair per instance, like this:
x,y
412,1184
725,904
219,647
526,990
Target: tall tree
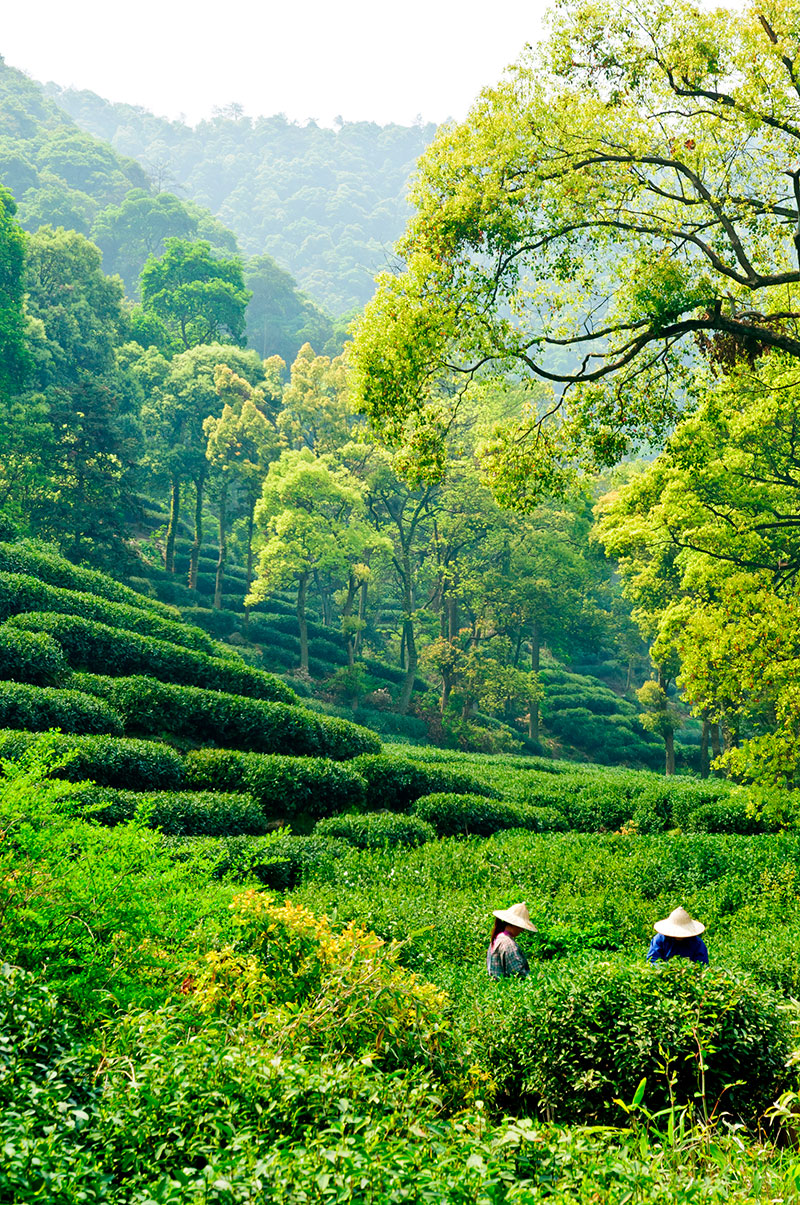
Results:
x,y
128,233
14,358
242,443
88,437
310,514
199,297
628,188
173,418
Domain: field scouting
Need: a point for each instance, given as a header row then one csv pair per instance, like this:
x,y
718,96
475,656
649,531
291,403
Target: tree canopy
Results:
x,y
625,199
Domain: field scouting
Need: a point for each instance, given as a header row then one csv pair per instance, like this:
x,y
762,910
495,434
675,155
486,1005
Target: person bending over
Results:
x,y
504,958
678,936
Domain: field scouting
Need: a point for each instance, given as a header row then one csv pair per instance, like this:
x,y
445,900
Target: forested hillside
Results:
x,y
328,205
61,175
317,661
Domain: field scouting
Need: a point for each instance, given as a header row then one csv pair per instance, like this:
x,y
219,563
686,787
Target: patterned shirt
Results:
x,y
504,957
665,947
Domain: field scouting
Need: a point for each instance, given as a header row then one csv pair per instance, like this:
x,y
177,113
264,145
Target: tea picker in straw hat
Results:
x,y
504,957
678,937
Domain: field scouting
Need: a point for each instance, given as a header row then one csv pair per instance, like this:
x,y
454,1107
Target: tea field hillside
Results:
x,y
244,944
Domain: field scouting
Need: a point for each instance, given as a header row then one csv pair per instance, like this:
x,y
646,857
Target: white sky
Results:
x,y
361,59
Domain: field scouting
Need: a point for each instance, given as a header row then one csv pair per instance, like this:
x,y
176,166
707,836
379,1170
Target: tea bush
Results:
x,y
106,760
150,708
176,813
32,657
394,782
452,814
727,816
377,830
284,786
89,645
567,1043
19,594
39,708
48,566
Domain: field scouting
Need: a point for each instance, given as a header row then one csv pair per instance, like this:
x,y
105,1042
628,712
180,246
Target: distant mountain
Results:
x,y
62,175
328,205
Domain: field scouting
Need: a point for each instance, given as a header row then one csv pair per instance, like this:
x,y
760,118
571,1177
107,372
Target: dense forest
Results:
x,y
324,644
328,205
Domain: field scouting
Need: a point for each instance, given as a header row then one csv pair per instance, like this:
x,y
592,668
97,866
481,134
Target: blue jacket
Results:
x,y
663,947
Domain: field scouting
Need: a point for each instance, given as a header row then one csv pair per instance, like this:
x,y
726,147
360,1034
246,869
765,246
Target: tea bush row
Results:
x,y
454,815
19,593
283,786
177,813
39,708
377,830
393,782
106,760
151,708
56,570
569,1043
89,645
32,657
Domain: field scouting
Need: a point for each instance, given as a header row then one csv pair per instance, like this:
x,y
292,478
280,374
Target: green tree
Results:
x,y
626,191
82,468
173,418
280,319
199,297
128,233
14,359
242,443
310,514
316,411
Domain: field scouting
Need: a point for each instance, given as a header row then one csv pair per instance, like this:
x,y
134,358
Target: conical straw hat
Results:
x,y
517,914
679,924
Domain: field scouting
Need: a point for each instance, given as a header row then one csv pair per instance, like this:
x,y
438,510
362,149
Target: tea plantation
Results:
x,y
244,945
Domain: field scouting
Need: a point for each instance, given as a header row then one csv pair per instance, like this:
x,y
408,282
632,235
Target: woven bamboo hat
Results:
x,y
517,915
679,924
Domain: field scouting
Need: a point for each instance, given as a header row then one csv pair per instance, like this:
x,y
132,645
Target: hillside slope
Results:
x,y
328,205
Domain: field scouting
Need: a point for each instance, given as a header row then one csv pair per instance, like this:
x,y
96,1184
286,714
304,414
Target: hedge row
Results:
x,y
107,760
32,657
393,783
90,645
19,594
177,813
377,830
606,801
454,815
283,786
150,708
57,571
39,708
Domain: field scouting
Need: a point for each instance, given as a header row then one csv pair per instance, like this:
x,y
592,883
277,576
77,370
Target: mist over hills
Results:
x,y
326,204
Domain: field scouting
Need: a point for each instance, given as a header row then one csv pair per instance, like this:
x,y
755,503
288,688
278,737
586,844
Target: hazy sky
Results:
x,y
361,59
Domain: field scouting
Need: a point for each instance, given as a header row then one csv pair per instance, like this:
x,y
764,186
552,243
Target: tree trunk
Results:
x,y
704,761
199,487
347,611
250,526
325,600
533,716
452,617
362,609
715,745
411,665
223,548
172,526
669,746
302,590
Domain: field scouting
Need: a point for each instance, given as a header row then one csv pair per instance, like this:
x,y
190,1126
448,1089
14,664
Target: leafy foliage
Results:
x,y
377,830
